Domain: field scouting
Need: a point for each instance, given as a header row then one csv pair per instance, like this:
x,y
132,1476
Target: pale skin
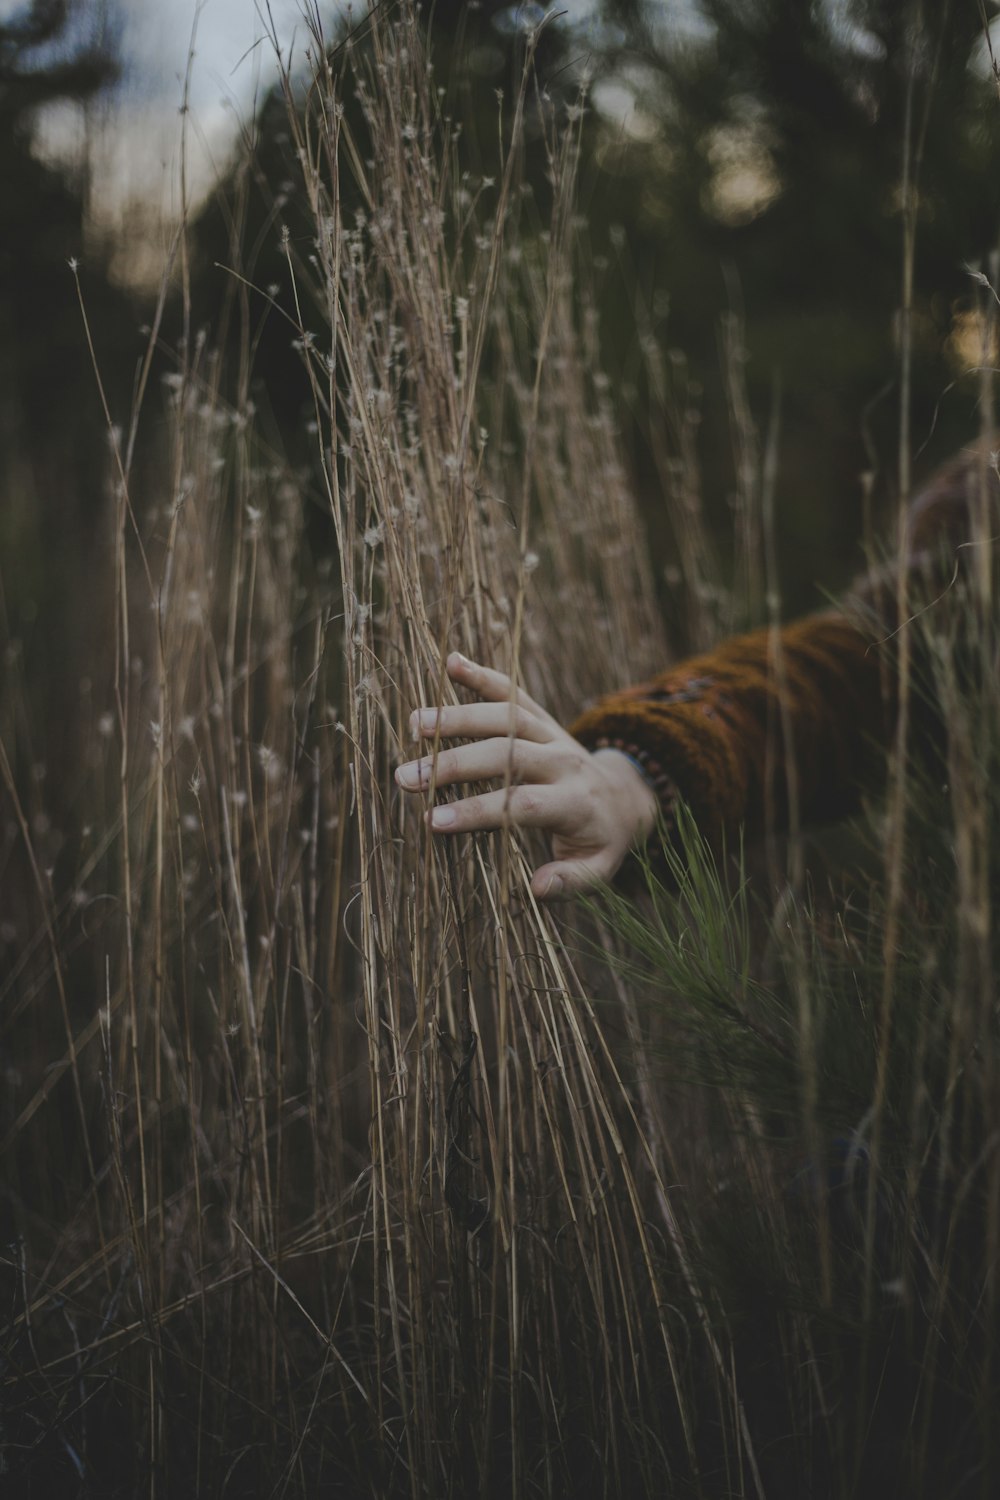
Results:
x,y
594,807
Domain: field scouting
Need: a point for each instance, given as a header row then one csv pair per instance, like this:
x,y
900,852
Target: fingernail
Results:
x,y
554,888
411,774
456,659
443,817
427,719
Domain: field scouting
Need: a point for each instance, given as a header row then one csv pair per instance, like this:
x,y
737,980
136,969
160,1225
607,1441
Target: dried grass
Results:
x,y
328,1167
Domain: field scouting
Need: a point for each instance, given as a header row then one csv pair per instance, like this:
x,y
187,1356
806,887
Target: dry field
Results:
x,y
335,1164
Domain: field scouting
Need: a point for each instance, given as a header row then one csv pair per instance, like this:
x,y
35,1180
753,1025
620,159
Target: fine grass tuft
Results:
x,y
333,1165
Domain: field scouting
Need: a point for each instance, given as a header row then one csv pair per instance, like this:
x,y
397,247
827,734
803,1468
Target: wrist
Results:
x,y
641,796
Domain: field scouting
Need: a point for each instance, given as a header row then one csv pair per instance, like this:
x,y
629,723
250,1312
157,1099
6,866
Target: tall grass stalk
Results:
x,y
356,1193
333,1163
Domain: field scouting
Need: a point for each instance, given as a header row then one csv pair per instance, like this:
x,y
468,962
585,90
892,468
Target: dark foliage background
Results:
x,y
750,222
749,218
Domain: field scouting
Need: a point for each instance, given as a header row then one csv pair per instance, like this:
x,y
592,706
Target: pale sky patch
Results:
x,y
132,140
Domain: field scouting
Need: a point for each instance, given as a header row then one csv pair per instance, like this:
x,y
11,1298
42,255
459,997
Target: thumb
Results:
x,y
568,877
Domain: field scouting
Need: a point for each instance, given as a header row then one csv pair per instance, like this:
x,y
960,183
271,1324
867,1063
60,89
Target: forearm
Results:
x,y
768,726
767,720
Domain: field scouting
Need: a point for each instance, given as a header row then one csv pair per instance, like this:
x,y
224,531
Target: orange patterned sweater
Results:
x,y
793,717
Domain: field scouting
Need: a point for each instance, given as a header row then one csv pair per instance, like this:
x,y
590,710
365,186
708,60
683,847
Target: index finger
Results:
x,y
495,687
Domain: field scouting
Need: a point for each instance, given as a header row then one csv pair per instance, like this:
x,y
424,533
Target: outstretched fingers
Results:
x,y
550,781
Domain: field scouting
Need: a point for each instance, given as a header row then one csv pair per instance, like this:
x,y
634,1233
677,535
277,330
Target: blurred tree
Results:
x,y
53,445
27,82
769,175
749,208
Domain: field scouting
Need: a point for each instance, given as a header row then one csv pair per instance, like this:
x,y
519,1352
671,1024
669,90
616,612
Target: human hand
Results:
x,y
594,806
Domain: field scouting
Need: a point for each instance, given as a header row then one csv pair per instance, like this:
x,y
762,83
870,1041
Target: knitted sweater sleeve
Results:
x,y
766,721
796,716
